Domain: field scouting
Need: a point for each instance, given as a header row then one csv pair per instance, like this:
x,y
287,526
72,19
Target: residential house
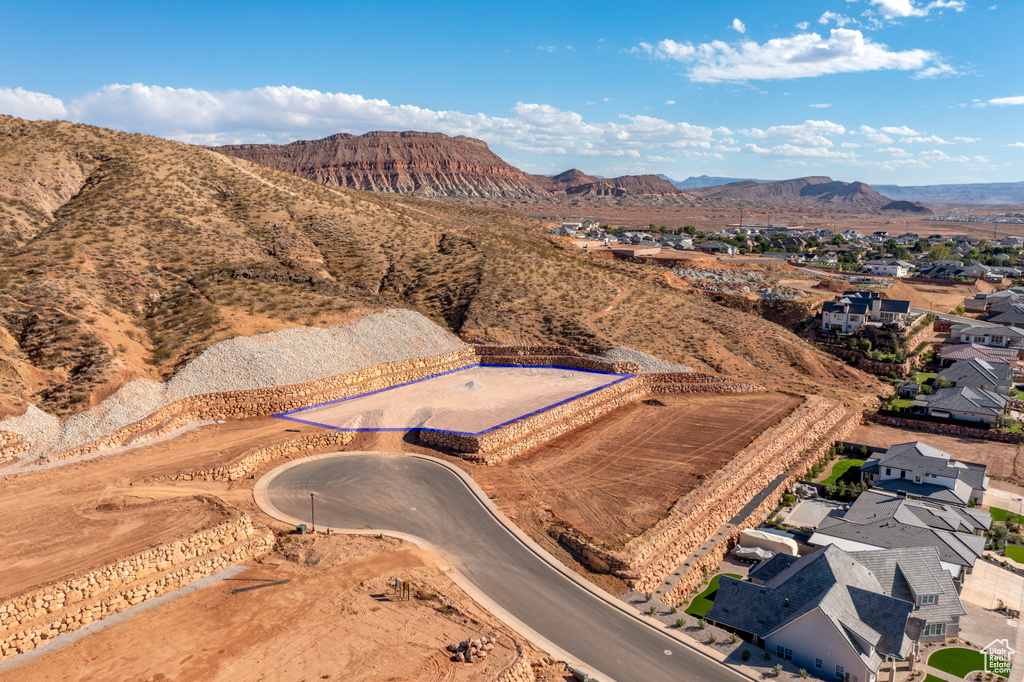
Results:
x,y
719,247
920,470
854,308
1012,242
950,353
985,272
991,376
942,269
824,612
889,267
963,403
851,235
991,335
907,238
677,241
883,520
563,231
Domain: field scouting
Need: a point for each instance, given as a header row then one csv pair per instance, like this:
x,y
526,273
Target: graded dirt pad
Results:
x,y
941,297
618,476
1004,460
70,519
471,400
336,619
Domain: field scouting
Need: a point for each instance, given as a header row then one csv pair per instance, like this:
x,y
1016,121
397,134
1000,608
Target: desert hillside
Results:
x,y
125,256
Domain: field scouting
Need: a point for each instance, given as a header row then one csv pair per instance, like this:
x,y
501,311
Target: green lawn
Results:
x,y
846,469
932,678
957,661
1015,552
923,378
1003,516
701,604
900,404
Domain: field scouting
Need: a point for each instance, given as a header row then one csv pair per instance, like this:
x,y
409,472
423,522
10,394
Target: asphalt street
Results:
x,y
425,499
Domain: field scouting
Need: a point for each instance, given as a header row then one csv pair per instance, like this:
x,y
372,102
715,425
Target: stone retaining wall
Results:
x,y
253,460
700,514
11,445
949,429
28,620
693,576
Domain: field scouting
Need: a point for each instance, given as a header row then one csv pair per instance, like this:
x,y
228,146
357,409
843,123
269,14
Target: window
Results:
x,y
840,671
934,629
783,652
818,663
888,472
927,599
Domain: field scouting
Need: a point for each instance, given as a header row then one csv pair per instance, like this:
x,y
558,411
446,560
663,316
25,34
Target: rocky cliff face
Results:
x,y
432,164
816,189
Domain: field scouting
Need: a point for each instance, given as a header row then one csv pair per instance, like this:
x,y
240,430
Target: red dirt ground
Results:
x,y
620,475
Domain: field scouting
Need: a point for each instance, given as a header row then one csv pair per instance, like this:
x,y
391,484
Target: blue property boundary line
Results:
x,y
286,415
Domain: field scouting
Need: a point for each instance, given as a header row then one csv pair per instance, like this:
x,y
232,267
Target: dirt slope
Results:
x,y
142,252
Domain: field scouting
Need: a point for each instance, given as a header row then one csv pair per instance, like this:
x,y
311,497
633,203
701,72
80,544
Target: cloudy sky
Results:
x,y
884,91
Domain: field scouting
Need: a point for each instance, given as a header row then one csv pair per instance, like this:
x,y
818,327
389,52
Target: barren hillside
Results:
x,y
124,256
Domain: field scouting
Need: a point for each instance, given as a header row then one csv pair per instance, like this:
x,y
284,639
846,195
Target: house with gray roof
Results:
x,y
826,612
1010,314
963,403
888,266
920,470
976,373
854,308
882,520
719,247
988,335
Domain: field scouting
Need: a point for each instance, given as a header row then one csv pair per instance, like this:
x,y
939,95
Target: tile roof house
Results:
x,y
826,612
719,247
920,470
963,403
976,373
950,353
881,520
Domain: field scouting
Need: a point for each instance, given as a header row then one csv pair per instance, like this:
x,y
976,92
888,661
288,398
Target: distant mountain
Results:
x,y
815,189
703,181
432,164
979,193
907,207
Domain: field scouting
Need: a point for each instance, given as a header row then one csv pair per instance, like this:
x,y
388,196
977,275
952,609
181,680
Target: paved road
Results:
x,y
425,499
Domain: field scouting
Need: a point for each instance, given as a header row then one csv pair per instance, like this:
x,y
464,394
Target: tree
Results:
x,y
940,252
690,230
941,382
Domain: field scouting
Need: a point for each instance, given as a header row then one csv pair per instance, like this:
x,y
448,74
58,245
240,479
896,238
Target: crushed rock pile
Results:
x,y
745,280
290,356
648,363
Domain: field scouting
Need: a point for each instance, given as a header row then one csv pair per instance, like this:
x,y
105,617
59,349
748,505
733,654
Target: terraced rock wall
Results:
x,y
32,619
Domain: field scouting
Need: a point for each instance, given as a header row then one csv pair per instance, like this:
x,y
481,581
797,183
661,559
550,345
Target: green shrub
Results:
x,y
745,655
777,669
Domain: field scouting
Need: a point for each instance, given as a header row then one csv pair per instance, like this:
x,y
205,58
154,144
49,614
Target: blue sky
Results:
x,y
884,91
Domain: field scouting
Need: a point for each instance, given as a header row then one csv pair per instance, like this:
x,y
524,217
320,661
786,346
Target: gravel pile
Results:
x,y
647,362
742,278
291,356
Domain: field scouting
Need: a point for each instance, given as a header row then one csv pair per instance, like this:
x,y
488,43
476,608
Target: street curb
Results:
x,y
262,499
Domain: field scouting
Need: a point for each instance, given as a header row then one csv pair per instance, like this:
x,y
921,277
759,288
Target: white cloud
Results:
x,y
839,19
670,102
897,9
1007,101
1015,144
803,25
27,104
939,155
924,139
940,68
789,150
282,114
738,25
547,48
821,106
800,56
899,130
966,139
875,136
806,134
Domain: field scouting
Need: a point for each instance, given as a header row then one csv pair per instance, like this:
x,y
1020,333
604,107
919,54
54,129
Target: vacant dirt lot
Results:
x,y
67,520
335,619
1003,459
620,475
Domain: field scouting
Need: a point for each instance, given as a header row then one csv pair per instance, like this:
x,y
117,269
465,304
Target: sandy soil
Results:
x,y
619,476
934,296
1004,460
468,401
336,619
68,520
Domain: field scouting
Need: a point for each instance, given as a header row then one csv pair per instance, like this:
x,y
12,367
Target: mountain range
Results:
x,y
436,165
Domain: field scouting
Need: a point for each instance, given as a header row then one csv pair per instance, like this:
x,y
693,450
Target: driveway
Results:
x,y
525,586
988,584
